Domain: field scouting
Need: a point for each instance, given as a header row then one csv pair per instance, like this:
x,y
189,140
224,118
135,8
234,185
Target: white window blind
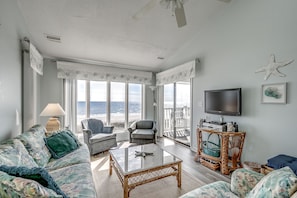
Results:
x,y
79,71
182,72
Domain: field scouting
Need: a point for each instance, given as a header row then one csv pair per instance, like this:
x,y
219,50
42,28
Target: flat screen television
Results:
x,y
223,101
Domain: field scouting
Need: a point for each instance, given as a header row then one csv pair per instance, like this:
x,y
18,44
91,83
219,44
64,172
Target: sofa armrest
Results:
x,y
107,129
244,180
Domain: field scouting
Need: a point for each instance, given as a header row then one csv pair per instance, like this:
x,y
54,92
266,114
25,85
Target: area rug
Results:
x,y
110,186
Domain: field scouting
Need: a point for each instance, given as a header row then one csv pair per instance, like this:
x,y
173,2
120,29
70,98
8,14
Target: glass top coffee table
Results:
x,y
134,170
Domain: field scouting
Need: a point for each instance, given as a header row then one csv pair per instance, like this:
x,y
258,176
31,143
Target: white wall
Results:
x,y
12,30
230,49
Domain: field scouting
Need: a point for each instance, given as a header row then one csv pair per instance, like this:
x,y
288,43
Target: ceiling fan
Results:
x,y
177,7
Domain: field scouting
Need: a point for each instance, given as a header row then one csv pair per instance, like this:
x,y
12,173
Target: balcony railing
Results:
x,y
182,117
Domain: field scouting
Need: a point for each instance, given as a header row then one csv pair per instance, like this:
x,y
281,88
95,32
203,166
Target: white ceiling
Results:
x,y
113,31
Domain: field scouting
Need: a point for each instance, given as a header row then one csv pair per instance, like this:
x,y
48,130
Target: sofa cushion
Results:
x,y
143,134
75,180
21,187
14,153
216,189
60,144
37,174
34,143
244,180
278,183
80,155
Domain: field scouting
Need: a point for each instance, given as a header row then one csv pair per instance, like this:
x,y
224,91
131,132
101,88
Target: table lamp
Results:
x,y
54,110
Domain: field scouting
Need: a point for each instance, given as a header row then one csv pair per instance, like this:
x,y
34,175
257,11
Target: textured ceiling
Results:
x,y
126,33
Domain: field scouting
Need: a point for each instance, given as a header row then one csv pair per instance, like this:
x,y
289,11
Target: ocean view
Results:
x,y
100,107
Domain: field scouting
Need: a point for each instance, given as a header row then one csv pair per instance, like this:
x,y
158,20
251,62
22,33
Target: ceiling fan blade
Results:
x,y
180,16
145,9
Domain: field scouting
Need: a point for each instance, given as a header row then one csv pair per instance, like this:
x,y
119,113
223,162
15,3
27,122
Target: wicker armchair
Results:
x,y
98,137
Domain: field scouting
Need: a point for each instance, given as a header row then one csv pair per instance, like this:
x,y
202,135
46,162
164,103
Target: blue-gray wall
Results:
x,y
12,30
51,87
231,48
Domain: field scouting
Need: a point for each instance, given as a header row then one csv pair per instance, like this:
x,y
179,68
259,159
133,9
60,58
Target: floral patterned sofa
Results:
x,y
28,169
280,183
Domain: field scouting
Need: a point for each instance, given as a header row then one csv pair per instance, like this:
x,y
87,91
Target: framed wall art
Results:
x,y
274,93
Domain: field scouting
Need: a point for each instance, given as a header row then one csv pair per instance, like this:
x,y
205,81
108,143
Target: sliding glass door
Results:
x,y
177,114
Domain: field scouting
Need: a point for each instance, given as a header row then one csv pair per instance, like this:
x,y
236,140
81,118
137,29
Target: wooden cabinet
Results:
x,y
231,144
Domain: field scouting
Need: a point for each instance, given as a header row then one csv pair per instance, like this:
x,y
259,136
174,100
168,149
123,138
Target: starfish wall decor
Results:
x,y
272,67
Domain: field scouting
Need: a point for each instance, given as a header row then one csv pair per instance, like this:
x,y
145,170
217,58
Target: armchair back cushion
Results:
x,y
145,124
95,125
243,181
278,183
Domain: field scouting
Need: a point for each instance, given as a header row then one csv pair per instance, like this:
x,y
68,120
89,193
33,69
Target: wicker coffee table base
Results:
x,y
130,181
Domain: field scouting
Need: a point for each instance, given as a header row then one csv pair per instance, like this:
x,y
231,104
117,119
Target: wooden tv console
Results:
x,y
230,150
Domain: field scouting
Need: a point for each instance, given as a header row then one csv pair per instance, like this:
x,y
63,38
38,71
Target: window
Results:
x,y
135,103
98,100
115,103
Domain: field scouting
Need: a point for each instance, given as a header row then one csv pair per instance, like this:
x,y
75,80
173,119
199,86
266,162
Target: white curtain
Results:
x,y
70,104
69,70
182,72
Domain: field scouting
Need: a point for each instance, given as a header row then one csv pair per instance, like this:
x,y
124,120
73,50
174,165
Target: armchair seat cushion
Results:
x,y
216,189
143,134
102,137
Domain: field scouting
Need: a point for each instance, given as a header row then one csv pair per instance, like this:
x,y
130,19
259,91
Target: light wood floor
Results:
x,y
197,170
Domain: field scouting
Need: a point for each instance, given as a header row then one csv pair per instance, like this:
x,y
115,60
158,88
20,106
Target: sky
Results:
x,y
98,91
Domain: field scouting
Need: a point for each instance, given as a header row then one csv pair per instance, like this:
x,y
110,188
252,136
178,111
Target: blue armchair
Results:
x,y
98,137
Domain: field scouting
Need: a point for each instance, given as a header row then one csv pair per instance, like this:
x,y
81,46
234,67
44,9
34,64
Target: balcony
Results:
x,y
177,126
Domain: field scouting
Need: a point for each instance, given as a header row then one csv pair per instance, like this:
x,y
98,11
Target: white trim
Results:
x,y
126,105
79,71
179,73
108,103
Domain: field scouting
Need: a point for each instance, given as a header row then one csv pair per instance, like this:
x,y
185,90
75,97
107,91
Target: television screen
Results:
x,y
223,101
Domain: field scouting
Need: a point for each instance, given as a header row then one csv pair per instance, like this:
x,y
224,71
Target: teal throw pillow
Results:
x,y
37,174
60,144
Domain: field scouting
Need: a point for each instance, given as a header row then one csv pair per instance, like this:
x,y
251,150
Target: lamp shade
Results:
x,y
52,109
